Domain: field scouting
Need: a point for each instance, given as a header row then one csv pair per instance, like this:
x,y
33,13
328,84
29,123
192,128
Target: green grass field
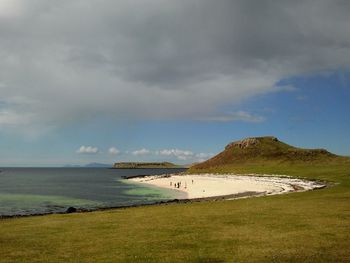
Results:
x,y
298,227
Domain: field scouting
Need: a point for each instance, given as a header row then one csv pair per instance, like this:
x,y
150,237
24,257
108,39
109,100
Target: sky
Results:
x,y
160,80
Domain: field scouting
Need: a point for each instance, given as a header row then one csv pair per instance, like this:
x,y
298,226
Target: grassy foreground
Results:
x,y
299,227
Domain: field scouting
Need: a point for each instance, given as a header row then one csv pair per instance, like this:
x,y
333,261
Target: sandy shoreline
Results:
x,y
213,185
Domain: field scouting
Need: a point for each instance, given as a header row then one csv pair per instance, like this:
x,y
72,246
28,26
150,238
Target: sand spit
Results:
x,y
210,185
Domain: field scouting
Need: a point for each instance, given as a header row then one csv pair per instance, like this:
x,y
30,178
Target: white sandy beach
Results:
x,y
210,185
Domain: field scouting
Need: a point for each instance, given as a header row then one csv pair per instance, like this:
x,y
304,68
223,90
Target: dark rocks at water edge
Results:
x,y
148,175
71,209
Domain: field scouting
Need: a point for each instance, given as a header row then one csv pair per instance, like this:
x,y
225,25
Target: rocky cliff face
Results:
x,y
248,142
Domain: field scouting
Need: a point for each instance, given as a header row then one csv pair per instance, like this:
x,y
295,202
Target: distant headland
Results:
x,y
143,165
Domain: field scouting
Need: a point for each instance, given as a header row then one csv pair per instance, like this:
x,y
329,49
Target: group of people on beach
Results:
x,y
178,184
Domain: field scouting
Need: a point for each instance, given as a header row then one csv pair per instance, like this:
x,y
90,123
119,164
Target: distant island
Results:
x,y
143,165
89,165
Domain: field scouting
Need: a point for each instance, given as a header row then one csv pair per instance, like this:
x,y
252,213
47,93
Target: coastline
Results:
x,y
164,202
153,181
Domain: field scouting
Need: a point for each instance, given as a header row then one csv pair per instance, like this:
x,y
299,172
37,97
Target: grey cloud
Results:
x,y
73,60
235,116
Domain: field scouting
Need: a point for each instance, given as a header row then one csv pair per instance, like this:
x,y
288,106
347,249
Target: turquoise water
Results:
x,y
26,191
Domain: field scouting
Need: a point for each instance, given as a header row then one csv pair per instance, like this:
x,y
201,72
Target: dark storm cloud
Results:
x,y
66,60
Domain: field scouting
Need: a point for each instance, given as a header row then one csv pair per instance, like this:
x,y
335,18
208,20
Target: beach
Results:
x,y
212,185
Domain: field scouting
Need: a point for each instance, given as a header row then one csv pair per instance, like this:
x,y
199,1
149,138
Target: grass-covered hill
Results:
x,y
265,151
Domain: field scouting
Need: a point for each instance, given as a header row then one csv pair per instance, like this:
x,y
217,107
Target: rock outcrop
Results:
x,y
245,143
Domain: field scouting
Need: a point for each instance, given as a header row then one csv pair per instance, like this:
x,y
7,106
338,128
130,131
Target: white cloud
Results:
x,y
142,151
235,116
113,151
179,154
87,150
173,153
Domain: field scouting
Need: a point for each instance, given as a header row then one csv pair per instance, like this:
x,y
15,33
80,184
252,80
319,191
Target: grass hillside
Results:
x,y
265,151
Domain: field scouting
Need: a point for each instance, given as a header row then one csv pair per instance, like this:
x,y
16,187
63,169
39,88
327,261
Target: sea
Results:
x,y
31,191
